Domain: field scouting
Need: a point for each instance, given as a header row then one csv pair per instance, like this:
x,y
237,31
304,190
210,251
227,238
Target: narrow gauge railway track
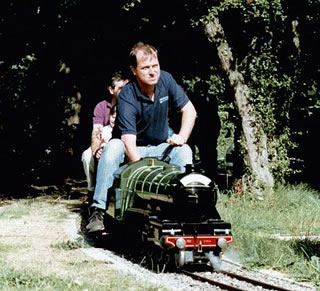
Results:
x,y
232,286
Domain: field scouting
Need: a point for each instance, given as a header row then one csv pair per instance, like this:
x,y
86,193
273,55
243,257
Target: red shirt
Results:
x,y
101,113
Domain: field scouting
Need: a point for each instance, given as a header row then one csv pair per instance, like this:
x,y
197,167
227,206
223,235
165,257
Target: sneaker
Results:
x,y
96,221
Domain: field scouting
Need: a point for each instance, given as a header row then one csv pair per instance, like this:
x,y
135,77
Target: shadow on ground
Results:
x,y
308,248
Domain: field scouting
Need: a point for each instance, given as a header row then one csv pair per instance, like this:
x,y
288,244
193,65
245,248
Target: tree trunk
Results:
x,y
254,136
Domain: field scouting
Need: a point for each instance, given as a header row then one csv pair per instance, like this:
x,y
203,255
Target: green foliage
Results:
x,y
217,89
130,4
272,44
269,65
14,78
272,97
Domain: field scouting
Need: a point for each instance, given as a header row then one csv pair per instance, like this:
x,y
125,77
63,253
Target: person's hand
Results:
x,y
98,152
176,139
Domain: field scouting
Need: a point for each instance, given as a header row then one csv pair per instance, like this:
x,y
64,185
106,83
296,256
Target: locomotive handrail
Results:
x,y
156,169
129,185
164,177
160,176
132,176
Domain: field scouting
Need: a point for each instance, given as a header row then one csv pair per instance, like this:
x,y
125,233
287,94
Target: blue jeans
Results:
x,y
114,154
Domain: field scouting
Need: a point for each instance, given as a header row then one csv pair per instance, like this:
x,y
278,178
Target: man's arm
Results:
x,y
188,118
130,143
96,138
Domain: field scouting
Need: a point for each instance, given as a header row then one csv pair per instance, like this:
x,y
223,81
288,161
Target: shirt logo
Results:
x,y
163,99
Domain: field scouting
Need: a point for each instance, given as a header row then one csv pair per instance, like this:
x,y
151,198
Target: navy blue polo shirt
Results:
x,y
148,120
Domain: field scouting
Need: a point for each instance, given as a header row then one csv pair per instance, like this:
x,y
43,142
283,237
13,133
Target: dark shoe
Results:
x,y
88,198
96,221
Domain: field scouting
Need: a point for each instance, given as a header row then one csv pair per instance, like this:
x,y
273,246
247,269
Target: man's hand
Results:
x,y
176,139
188,119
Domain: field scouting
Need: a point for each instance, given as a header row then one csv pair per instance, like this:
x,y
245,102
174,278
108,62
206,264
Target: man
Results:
x,y
101,131
141,128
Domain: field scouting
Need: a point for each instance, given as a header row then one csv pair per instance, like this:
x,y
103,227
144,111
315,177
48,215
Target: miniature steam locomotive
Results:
x,y
170,212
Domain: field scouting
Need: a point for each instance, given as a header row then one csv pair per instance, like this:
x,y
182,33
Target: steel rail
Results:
x,y
255,282
231,286
212,282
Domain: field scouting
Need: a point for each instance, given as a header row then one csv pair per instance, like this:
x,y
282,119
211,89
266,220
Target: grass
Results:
x,y
17,210
25,279
80,277
291,210
37,254
11,279
68,245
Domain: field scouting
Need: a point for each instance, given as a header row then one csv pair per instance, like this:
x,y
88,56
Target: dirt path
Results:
x,y
42,248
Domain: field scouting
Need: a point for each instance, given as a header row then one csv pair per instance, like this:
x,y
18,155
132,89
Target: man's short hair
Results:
x,y
147,49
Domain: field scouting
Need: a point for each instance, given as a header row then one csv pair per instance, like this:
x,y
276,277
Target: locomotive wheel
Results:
x,y
147,259
147,262
155,259
161,259
150,256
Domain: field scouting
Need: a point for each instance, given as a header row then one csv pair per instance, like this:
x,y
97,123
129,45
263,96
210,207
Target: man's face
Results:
x,y
118,86
147,71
